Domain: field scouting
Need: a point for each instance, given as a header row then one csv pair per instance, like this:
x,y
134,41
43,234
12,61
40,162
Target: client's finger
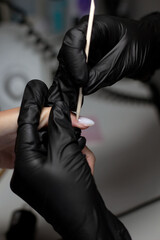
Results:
x,y
90,158
81,123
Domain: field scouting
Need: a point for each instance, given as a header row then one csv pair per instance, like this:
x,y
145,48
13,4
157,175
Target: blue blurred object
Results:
x,y
58,14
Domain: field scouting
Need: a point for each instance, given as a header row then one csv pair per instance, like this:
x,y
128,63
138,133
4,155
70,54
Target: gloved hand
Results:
x,y
56,179
119,48
63,88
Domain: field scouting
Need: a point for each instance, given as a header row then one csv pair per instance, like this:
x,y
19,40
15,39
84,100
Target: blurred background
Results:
x,y
126,136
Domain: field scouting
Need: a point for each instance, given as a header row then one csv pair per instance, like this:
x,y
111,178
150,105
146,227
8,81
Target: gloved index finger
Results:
x,y
72,54
34,98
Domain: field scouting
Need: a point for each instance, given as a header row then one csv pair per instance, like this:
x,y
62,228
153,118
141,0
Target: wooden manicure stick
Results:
x,y
88,40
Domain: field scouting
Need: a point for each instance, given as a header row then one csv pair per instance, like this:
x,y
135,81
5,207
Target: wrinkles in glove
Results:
x,y
56,179
119,48
63,88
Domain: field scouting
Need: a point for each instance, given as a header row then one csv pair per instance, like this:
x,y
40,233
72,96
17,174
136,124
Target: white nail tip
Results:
x,y
86,121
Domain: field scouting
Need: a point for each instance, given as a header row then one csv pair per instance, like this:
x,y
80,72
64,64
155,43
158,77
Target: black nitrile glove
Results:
x,y
55,94
63,88
119,48
58,182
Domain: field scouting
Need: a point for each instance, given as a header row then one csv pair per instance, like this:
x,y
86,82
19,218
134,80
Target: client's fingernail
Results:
x,y
86,121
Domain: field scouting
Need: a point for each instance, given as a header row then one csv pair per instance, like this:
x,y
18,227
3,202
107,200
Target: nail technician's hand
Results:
x,y
55,179
8,131
63,88
119,48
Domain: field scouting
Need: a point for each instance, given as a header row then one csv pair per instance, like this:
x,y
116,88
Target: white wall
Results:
x,y
126,140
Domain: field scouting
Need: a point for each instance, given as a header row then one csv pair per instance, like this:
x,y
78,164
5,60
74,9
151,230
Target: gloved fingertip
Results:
x,y
34,98
38,85
80,139
77,132
83,23
35,91
82,142
75,38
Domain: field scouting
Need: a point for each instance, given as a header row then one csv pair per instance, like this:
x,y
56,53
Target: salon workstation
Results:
x,y
126,135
